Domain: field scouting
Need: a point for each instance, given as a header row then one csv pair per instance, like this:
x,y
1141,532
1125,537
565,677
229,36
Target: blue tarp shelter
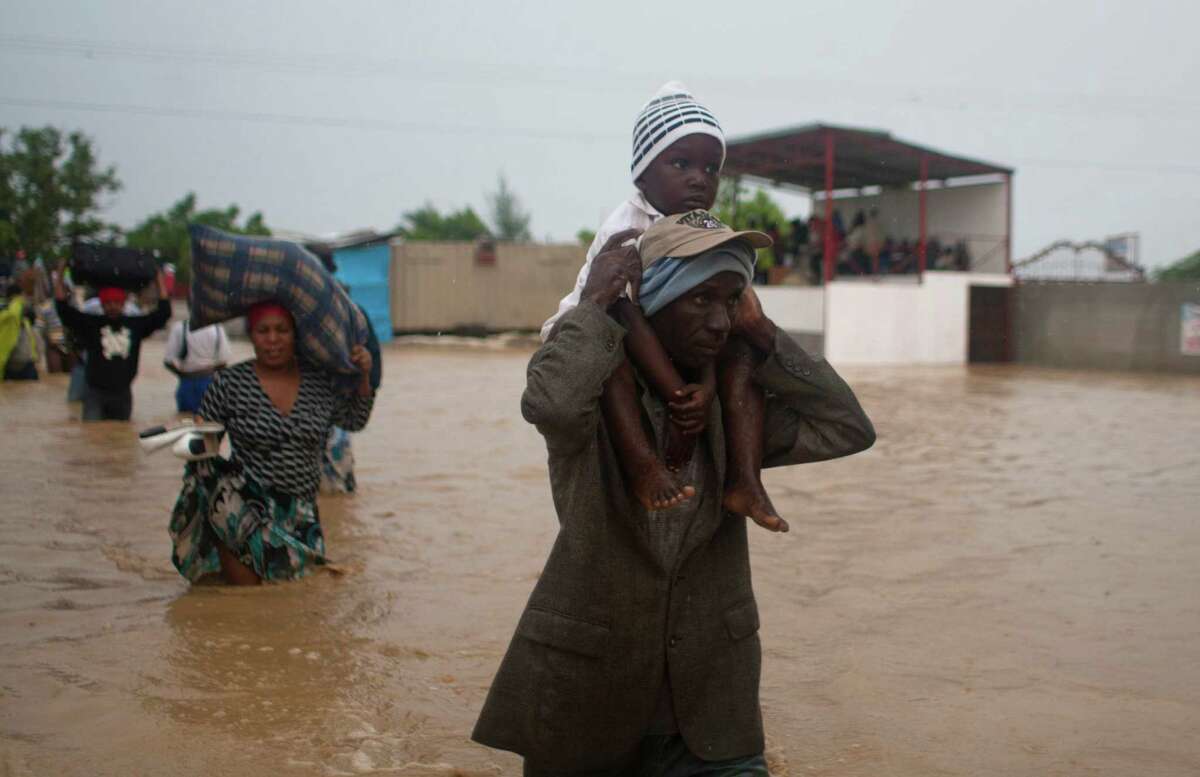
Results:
x,y
366,269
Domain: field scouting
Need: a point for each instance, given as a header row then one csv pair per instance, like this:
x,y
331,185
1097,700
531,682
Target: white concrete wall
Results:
x,y
794,308
974,212
900,321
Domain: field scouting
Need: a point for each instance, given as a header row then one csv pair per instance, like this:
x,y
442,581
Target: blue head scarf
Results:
x,y
669,278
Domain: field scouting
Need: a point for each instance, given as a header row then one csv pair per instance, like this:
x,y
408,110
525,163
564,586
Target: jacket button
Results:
x,y
673,641
806,372
610,344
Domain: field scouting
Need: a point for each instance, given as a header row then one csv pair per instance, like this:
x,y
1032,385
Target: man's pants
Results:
x,y
668,756
190,392
107,405
27,371
77,388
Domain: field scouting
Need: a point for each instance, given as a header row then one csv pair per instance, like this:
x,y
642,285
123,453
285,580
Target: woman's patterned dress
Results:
x,y
261,503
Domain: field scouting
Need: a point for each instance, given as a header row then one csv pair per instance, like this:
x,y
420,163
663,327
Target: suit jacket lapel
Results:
x,y
706,521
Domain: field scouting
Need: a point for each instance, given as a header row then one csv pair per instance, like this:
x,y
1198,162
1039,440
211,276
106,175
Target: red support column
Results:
x,y
921,240
875,264
1008,223
829,257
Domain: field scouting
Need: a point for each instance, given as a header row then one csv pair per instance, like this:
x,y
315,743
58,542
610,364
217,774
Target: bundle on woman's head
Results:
x,y
232,274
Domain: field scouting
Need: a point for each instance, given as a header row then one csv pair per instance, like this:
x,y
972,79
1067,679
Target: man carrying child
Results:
x,y
637,653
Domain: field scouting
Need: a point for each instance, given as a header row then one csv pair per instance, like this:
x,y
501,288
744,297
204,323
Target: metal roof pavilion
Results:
x,y
826,157
860,157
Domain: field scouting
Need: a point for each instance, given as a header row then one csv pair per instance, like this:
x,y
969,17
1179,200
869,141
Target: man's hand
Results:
x,y
751,324
360,357
161,278
612,269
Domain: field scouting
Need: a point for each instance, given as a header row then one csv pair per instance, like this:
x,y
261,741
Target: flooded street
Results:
x,y
1007,584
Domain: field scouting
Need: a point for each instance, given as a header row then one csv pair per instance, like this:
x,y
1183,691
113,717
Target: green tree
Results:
x,y
736,208
510,222
166,232
585,237
50,190
739,210
426,223
1186,269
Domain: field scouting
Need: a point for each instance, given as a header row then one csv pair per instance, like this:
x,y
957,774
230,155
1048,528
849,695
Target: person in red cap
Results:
x,y
113,342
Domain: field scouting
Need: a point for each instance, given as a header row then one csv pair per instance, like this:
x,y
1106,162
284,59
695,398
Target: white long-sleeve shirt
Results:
x,y
634,213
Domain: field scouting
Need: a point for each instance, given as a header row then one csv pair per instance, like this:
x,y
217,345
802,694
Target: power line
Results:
x,y
382,125
1135,167
567,77
293,120
316,63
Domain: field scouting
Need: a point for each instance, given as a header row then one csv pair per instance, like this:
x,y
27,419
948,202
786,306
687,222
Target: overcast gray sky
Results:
x,y
333,116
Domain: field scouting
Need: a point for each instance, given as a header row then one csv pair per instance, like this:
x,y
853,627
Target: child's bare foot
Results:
x,y
750,499
657,489
678,447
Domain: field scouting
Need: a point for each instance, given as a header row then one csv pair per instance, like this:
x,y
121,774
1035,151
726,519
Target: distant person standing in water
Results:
x,y
254,516
18,343
194,355
337,461
113,341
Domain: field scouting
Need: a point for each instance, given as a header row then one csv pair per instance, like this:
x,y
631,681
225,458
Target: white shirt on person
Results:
x,y
634,213
207,348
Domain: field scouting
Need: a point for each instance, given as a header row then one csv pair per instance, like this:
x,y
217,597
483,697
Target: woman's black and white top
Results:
x,y
281,451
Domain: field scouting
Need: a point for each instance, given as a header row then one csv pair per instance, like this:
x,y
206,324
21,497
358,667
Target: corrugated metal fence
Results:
x,y
440,286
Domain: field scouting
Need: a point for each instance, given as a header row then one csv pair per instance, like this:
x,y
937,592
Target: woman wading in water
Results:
x,y
254,517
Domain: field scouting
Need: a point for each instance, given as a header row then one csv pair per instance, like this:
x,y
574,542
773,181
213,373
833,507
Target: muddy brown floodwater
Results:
x,y
1007,584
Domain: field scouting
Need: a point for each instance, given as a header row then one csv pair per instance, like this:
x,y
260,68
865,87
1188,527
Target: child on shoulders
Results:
x,y
678,152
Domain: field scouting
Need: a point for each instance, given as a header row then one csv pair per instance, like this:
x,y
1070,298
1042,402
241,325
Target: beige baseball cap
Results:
x,y
691,233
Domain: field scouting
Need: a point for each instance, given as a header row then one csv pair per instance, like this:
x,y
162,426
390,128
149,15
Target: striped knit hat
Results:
x,y
670,115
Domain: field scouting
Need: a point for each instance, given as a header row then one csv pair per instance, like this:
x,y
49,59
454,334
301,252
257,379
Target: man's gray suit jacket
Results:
x,y
578,685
